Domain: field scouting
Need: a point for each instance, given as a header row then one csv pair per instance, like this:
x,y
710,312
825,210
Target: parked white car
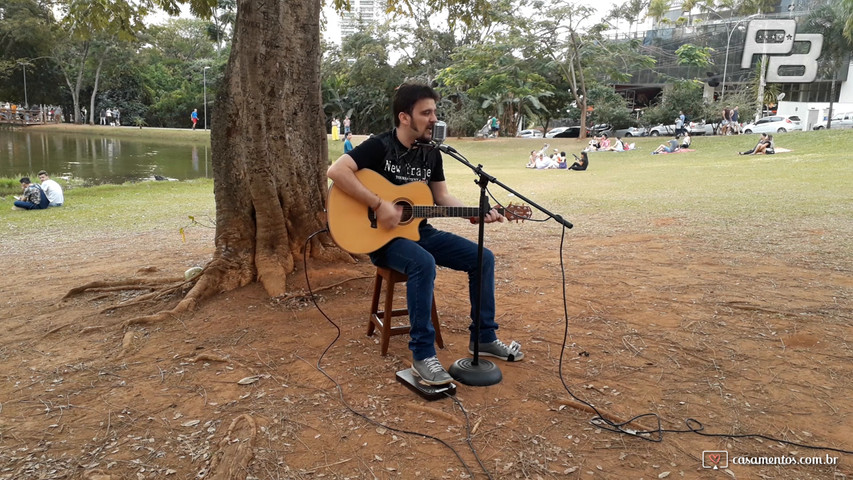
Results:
x,y
631,132
841,120
529,133
662,130
694,128
773,124
701,128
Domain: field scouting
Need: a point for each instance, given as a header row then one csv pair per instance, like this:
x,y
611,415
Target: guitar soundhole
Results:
x,y
408,212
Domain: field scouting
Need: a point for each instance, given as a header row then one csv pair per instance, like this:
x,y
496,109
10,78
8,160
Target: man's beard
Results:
x,y
426,137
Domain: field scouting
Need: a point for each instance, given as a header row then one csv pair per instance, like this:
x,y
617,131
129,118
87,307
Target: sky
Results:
x,y
604,8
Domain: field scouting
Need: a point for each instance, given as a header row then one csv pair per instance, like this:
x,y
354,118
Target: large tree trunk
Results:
x,y
269,151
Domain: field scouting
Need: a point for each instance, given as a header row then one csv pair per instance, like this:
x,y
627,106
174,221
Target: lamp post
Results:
x,y
24,68
728,42
204,82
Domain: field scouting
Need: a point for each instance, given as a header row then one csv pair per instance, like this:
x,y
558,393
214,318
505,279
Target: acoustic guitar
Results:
x,y
354,227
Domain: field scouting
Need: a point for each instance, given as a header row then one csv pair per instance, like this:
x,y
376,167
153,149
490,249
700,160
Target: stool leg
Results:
x,y
374,304
437,326
386,318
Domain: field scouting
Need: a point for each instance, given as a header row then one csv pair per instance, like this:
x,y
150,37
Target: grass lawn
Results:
x,y
809,187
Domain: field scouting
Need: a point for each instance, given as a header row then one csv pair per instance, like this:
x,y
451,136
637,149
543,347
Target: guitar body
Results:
x,y
352,224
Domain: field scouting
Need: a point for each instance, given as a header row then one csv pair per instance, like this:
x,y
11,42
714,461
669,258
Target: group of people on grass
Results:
x,y
557,160
730,123
680,142
603,143
541,160
39,196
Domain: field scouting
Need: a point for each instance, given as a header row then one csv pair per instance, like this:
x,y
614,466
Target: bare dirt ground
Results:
x,y
747,335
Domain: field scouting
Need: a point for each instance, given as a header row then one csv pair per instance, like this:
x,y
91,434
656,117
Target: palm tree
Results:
x,y
657,10
830,20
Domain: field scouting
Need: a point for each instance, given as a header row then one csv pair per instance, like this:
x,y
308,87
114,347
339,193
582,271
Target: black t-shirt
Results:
x,y
385,154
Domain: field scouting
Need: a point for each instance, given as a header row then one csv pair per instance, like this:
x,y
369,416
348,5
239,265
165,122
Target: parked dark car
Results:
x,y
564,132
599,129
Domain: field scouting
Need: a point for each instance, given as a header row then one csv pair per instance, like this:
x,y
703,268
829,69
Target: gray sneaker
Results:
x,y
498,349
431,371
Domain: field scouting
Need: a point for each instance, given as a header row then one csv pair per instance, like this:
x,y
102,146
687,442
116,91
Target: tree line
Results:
x,y
555,65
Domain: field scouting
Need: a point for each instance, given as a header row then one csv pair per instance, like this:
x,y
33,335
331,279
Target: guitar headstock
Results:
x,y
517,212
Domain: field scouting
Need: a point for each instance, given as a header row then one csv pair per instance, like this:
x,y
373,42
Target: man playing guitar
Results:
x,y
397,157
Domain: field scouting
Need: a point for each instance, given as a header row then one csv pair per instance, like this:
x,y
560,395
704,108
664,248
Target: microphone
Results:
x,y
439,132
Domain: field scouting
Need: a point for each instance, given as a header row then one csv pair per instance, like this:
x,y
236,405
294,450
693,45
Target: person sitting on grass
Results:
x,y
531,161
761,141
33,197
52,189
561,162
668,147
617,145
765,148
545,162
594,145
580,163
685,141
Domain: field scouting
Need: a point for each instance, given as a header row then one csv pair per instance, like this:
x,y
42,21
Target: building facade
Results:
x,y
782,38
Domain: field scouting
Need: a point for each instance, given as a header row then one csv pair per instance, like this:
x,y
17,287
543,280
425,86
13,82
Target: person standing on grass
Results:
x,y
348,143
735,126
336,129
194,117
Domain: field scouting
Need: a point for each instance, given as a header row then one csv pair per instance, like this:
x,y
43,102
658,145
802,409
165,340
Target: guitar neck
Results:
x,y
434,211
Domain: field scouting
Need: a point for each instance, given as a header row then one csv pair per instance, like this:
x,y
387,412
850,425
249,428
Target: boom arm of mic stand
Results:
x,y
479,171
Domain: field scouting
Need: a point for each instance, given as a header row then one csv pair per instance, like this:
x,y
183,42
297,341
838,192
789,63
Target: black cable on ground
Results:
x,y
362,415
656,434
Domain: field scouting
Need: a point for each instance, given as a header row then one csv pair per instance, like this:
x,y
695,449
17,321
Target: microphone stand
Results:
x,y
477,372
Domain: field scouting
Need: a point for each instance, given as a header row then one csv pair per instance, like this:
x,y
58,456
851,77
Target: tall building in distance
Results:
x,y
363,12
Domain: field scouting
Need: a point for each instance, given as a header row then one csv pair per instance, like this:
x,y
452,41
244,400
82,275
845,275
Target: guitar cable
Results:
x,y
599,420
656,434
364,416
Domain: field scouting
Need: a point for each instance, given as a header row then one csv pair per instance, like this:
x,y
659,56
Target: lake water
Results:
x,y
97,160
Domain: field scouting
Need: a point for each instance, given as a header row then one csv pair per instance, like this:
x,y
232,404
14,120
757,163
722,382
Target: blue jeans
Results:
x,y
418,261
27,205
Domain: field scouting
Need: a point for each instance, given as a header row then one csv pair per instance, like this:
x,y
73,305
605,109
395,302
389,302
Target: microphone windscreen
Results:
x,y
439,132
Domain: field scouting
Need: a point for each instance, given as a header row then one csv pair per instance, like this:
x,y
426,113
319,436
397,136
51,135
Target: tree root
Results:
x,y
119,285
148,297
207,284
236,450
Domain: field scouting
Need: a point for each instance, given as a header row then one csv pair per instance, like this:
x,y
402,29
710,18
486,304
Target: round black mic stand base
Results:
x,y
483,374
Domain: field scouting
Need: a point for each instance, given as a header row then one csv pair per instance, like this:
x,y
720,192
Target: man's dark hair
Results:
x,y
41,172
25,180
408,94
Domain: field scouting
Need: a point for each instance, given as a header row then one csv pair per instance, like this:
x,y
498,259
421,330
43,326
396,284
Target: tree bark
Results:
x,y
269,151
91,118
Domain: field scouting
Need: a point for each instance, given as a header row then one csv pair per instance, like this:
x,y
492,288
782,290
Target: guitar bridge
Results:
x,y
371,215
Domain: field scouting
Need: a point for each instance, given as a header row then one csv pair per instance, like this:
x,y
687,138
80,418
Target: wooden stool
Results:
x,y
381,319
